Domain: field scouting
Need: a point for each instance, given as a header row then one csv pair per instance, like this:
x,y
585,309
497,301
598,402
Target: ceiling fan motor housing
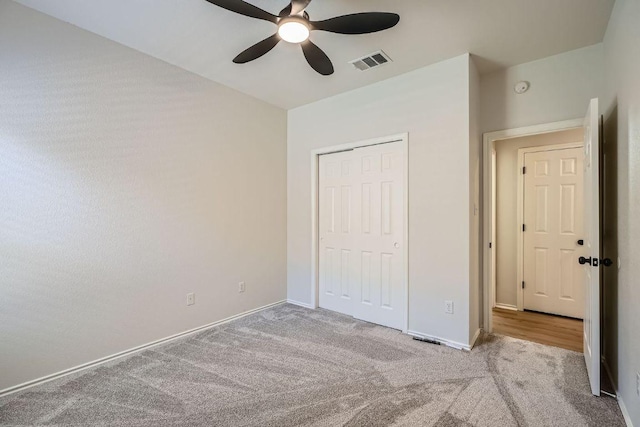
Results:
x,y
294,29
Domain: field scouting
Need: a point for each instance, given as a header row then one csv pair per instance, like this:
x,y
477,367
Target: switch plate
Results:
x,y
241,287
191,299
448,307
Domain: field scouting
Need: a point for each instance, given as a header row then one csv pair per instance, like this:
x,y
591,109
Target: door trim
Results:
x,y
404,139
488,204
520,210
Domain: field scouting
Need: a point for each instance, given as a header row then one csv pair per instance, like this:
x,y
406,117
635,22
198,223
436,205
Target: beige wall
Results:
x,y
507,227
621,107
125,183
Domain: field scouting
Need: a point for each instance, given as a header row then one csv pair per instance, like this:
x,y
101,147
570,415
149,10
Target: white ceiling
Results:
x,y
203,38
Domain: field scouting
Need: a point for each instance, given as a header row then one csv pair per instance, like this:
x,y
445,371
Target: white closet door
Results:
x,y
338,183
362,247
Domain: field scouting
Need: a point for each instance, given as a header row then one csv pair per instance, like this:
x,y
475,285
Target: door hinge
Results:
x,y
523,284
490,245
524,170
524,227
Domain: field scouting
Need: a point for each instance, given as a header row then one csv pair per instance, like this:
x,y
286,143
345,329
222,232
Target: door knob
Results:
x,y
607,262
582,260
396,245
581,242
592,261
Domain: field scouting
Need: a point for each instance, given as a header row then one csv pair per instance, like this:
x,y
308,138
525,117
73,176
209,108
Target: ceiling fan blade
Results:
x,y
294,8
246,9
358,23
257,50
318,60
298,6
286,11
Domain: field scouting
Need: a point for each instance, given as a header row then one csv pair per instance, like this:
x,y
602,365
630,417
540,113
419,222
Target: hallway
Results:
x,y
541,328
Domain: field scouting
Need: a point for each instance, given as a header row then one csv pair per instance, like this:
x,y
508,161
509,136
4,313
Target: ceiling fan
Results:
x,y
294,26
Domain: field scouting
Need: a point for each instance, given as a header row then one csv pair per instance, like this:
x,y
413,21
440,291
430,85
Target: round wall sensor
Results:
x,y
521,87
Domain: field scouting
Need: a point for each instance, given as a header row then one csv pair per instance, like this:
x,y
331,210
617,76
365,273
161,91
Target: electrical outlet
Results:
x,y
191,299
448,307
241,287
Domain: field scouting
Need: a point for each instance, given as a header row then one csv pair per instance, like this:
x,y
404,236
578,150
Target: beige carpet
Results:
x,y
289,366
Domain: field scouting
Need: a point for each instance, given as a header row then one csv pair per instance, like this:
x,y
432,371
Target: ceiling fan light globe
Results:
x,y
293,31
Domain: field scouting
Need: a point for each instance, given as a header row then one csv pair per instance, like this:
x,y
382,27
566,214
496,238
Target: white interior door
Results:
x,y
592,245
361,234
553,215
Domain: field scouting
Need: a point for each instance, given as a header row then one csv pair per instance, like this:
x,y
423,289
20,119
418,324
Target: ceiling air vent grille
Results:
x,y
370,61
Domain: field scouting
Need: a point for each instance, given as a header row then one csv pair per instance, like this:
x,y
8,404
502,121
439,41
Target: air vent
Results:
x,y
370,61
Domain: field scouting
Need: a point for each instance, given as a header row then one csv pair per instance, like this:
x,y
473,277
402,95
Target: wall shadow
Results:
x,y
609,275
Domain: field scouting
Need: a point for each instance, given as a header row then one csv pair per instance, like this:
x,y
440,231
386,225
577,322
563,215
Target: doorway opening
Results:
x,y
524,182
539,202
545,261
360,230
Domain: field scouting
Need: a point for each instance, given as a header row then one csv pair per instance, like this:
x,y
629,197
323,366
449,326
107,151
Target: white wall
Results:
x,y
561,87
622,114
507,227
125,183
432,104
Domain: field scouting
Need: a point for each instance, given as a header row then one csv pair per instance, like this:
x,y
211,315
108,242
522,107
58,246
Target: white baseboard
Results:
x,y
623,408
506,306
32,383
625,413
448,343
300,304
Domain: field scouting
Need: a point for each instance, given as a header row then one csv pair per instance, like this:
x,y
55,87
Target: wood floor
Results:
x,y
541,328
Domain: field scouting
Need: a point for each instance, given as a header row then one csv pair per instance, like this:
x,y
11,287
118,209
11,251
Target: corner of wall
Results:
x,y
475,241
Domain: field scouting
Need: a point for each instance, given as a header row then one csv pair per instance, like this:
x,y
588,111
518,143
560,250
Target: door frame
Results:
x,y
520,209
488,204
403,138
